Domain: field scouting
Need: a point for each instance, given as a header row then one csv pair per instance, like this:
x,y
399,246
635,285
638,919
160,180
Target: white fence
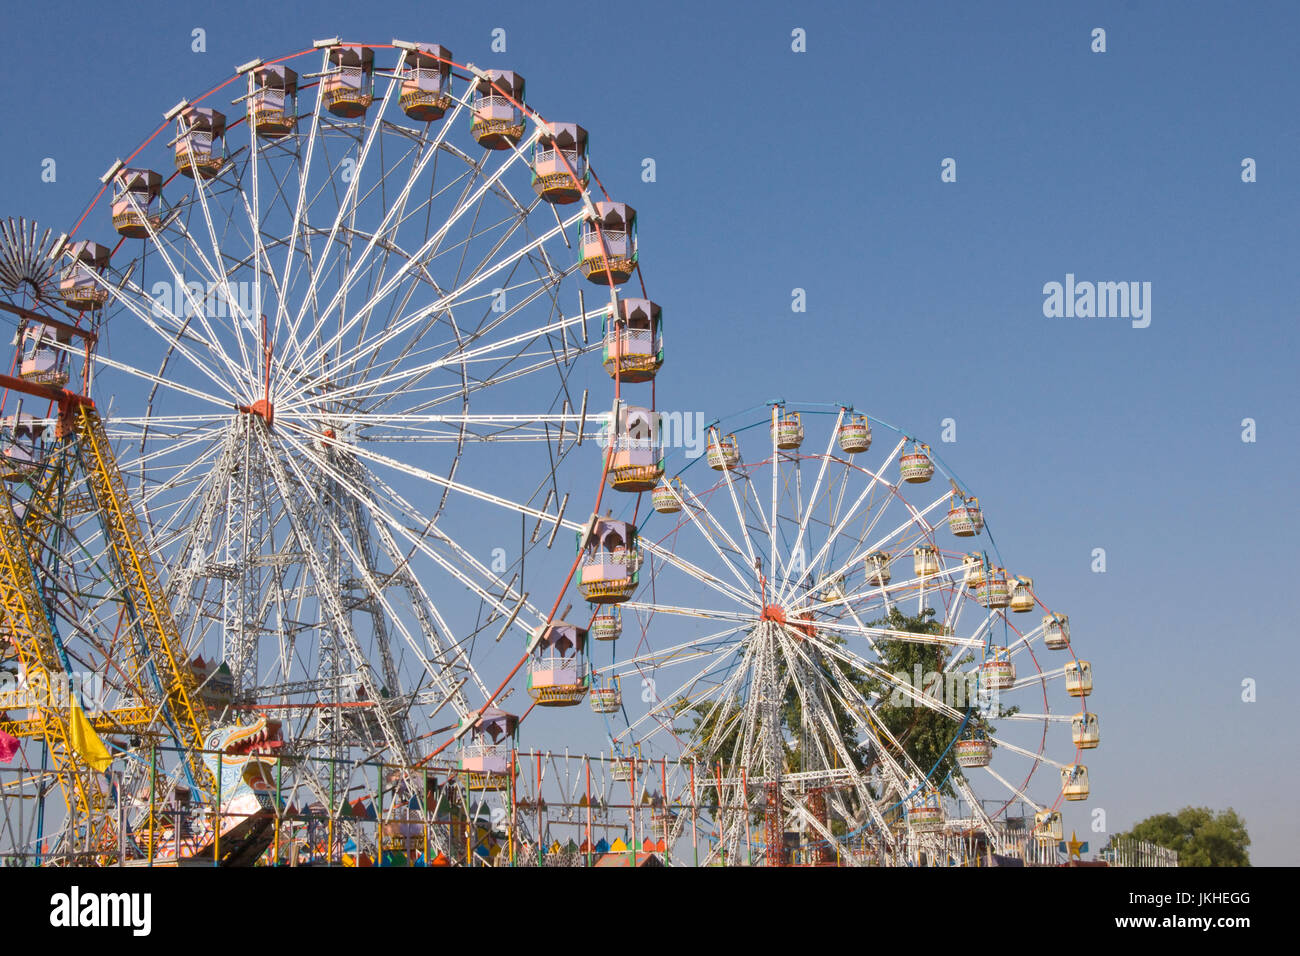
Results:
x,y
1129,852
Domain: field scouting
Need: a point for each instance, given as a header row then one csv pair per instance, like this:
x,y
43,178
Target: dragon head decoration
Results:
x,y
247,778
242,759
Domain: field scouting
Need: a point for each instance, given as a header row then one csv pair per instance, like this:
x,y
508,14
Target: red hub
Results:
x,y
262,409
802,623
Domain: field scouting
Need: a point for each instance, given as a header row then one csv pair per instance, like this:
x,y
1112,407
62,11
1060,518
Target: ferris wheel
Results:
x,y
822,639
340,332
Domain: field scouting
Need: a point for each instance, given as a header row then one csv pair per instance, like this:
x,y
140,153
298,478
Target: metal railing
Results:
x,y
1126,851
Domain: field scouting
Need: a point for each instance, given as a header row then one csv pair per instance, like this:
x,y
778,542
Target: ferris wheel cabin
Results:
x,y
80,286
667,497
200,141
497,117
273,103
135,196
610,562
1085,730
1056,631
20,433
560,172
42,353
606,696
787,429
607,243
625,768
636,454
1078,678
557,671
878,568
974,750
348,86
1048,827
915,466
607,624
994,591
965,519
925,812
486,749
855,435
724,452
634,347
426,83
998,671
1022,595
1074,782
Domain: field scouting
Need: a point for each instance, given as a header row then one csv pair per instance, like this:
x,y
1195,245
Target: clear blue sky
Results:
x,y
821,170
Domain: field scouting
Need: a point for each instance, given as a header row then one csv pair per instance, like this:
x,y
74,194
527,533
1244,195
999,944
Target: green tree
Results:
x,y
926,734
1201,836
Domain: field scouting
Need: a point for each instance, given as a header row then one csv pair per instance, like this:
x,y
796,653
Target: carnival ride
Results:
x,y
841,666
248,616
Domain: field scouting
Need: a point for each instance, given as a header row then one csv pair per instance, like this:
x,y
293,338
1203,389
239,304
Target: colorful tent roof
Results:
x,y
621,859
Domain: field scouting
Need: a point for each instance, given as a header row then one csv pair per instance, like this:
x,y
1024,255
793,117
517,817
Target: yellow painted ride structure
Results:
x,y
153,663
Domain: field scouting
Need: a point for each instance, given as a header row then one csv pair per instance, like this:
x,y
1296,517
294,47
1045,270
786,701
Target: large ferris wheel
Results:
x,y
830,649
339,334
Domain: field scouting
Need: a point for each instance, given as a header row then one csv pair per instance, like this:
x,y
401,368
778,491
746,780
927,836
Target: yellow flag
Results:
x,y
86,742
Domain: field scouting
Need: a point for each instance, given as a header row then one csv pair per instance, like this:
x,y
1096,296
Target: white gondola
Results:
x,y
1078,678
1056,631
787,430
998,672
878,568
974,750
666,497
965,519
916,466
1085,730
607,625
855,435
1022,595
925,812
1048,827
994,591
724,452
1074,782
606,698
